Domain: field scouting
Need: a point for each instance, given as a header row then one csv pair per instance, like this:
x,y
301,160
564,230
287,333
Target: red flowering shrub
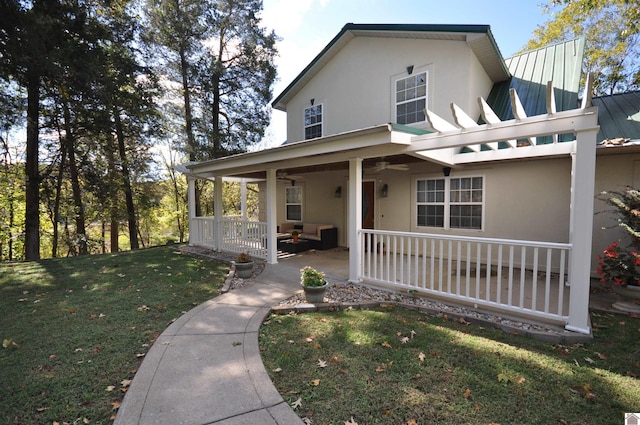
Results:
x,y
619,266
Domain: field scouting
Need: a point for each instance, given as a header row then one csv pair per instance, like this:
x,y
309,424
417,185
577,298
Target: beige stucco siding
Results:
x,y
355,88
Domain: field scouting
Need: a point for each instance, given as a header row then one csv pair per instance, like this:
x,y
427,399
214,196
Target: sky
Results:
x,y
307,26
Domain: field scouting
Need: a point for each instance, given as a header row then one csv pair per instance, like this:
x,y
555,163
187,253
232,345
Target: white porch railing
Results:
x,y
230,234
521,277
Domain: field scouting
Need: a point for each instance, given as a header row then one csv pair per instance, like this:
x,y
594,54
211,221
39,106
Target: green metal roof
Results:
x,y
486,49
560,63
619,116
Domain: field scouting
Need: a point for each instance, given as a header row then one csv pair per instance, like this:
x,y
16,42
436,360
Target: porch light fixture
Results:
x,y
338,192
410,69
446,171
385,191
313,101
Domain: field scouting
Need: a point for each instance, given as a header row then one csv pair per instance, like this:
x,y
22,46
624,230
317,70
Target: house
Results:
x,y
445,168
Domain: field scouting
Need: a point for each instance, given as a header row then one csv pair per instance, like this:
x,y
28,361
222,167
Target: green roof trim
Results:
x,y
397,28
408,129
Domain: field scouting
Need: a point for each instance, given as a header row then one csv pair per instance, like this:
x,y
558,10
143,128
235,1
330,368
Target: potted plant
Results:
x,y
295,235
244,265
314,284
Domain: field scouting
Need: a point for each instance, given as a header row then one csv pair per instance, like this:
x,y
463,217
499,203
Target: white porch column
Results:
x,y
191,197
272,214
243,207
355,217
583,172
217,212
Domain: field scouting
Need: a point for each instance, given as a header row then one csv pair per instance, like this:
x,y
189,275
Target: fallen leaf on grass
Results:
x,y
422,356
467,393
351,422
386,344
296,403
322,363
412,422
315,382
602,356
277,370
404,340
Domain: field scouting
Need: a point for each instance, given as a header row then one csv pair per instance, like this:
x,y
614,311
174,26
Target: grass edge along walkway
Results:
x,y
74,330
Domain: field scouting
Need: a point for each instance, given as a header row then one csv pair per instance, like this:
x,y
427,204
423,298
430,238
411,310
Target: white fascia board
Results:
x,y
540,125
286,155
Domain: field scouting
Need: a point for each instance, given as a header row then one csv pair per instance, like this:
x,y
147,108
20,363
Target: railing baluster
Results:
x,y
499,275
547,289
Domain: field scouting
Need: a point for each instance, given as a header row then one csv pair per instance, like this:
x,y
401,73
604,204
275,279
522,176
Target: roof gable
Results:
x,y
478,37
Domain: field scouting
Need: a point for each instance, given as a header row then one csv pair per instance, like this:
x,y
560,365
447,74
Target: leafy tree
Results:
x,y
612,31
236,75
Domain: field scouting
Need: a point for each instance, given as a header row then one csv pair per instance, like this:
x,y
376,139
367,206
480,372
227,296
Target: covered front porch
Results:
x,y
538,279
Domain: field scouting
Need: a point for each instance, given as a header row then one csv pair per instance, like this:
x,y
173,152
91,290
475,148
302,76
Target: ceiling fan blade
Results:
x,y
398,167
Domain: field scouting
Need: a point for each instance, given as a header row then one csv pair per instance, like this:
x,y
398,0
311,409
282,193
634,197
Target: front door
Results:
x,y
368,204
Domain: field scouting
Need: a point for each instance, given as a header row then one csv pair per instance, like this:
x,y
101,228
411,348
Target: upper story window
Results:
x,y
313,122
411,98
450,203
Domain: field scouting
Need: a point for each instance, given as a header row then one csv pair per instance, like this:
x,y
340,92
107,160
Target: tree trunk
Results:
x,y
126,183
188,117
81,234
32,175
56,204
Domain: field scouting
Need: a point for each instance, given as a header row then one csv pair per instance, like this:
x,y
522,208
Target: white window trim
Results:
x,y
447,202
322,121
429,103
286,204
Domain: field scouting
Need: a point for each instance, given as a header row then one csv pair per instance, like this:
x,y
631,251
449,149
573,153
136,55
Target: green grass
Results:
x,y
448,372
75,329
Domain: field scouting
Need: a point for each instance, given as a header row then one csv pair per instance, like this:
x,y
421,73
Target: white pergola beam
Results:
x,y
437,123
490,117
539,125
518,111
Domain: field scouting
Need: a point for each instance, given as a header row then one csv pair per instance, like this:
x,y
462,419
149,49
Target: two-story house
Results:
x,y
443,167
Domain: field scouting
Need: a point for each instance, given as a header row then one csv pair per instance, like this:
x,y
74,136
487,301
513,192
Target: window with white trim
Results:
x,y
411,98
293,203
450,202
313,122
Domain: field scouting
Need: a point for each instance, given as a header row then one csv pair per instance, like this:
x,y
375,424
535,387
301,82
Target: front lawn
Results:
x,y
75,330
395,366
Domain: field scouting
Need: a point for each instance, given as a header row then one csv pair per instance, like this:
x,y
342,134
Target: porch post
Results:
x,y
217,213
355,217
272,212
243,207
583,171
194,237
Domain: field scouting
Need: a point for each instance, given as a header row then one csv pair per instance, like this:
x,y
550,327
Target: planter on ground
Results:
x,y
629,297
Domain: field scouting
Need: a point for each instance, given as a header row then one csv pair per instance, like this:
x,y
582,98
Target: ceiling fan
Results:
x,y
384,165
282,175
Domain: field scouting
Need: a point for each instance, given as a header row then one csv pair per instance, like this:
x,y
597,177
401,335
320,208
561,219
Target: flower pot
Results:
x,y
244,270
314,294
629,296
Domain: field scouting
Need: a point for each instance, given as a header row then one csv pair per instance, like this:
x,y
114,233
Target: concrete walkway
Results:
x,y
206,368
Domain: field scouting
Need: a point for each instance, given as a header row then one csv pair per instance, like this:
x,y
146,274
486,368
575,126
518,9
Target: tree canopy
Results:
x,y
89,87
612,32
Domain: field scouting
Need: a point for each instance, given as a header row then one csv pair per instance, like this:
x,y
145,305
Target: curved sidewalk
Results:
x,y
206,367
